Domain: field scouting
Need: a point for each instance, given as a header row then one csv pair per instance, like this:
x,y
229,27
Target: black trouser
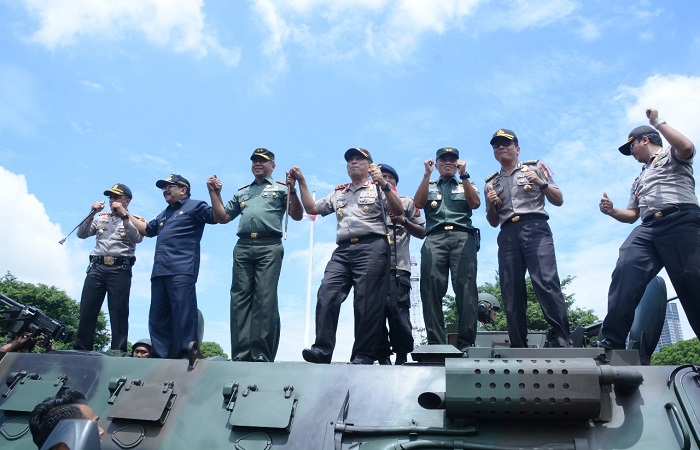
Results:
x,y
672,242
115,282
399,336
363,266
528,245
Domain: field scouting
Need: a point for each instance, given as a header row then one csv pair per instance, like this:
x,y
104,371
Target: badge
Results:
x,y
527,188
433,204
524,168
122,234
242,205
161,224
439,197
365,209
100,231
339,213
181,212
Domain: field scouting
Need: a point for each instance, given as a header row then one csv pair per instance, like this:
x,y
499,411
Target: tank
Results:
x,y
491,397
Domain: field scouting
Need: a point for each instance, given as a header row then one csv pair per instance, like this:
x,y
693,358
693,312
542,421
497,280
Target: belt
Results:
x,y
519,217
668,211
113,260
357,239
259,236
449,227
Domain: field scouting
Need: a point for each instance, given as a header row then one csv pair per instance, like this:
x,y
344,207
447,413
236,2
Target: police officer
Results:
x,y
257,256
399,336
515,200
109,272
487,311
663,195
450,246
361,260
172,319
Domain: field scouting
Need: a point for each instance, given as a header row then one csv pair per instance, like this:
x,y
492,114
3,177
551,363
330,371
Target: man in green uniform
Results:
x,y
450,246
257,256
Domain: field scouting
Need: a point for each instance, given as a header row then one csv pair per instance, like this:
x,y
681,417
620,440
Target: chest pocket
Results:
x,y
434,194
497,187
521,180
270,194
457,193
244,197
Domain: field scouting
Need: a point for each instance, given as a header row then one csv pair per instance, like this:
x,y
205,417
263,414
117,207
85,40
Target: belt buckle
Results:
x,y
449,227
354,240
658,215
108,260
515,218
253,235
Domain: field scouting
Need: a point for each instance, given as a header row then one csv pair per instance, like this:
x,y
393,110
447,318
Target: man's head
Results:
x,y
141,349
446,161
263,163
46,415
175,187
642,142
505,146
488,308
119,193
358,160
389,174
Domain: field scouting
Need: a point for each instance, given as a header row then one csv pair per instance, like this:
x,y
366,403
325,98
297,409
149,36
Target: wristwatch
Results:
x,y
126,216
386,187
465,176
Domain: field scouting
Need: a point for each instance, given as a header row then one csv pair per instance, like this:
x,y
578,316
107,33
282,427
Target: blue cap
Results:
x,y
388,169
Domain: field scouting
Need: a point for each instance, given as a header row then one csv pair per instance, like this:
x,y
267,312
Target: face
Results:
x,y
447,166
639,151
390,178
174,192
142,351
358,167
89,414
122,199
261,167
505,151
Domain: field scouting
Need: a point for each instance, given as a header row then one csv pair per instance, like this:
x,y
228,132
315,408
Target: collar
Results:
x,y
267,180
452,180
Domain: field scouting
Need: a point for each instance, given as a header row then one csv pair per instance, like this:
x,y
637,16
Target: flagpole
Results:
x,y
309,268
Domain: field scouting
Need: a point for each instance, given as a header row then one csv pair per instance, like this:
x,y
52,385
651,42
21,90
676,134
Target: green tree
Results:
x,y
683,352
53,302
535,317
209,348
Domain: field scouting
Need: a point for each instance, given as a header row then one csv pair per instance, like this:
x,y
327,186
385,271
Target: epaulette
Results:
x,y
367,182
531,161
241,188
342,186
138,217
491,177
284,183
433,182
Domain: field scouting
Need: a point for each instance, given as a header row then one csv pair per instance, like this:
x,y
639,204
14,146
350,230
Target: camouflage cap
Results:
x,y
263,153
119,189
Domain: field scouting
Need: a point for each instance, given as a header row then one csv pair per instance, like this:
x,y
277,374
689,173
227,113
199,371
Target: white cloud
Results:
x,y
91,86
179,25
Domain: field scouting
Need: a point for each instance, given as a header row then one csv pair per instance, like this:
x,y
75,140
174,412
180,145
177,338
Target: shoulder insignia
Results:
x,y
342,186
138,217
283,183
241,188
367,182
531,161
491,177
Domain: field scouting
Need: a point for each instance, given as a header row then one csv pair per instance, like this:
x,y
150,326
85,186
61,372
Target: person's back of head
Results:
x,y
48,413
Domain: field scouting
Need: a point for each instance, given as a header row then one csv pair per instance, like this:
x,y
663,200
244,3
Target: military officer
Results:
x,y
257,256
399,336
109,272
172,319
663,195
450,246
487,311
361,260
515,200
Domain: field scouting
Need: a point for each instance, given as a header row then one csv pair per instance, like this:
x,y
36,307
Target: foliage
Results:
x,y
535,317
53,302
209,348
683,352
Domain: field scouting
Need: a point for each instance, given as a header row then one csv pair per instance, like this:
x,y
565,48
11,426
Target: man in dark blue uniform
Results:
x,y
663,195
109,272
172,320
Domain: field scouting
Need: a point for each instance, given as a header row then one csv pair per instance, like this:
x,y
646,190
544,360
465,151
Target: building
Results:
x,y
671,333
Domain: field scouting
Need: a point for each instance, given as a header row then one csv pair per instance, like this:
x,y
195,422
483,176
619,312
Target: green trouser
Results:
x,y
254,309
445,252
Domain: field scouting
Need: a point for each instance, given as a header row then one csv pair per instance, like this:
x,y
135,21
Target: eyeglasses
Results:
x,y
635,140
502,142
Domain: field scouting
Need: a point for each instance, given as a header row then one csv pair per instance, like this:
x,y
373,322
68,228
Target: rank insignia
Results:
x,y
433,204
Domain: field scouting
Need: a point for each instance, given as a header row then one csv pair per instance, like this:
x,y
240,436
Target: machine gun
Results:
x,y
17,318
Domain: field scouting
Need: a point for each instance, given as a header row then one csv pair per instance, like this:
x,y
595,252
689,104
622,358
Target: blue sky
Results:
x,y
98,92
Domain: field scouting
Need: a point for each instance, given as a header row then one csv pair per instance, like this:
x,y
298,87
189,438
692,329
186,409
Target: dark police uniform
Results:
x,y
450,246
361,261
525,243
257,261
669,237
109,273
172,320
397,310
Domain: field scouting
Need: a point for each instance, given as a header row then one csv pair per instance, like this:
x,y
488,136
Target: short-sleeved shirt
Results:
x,y
261,207
358,210
113,238
517,194
446,205
402,261
179,229
666,180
